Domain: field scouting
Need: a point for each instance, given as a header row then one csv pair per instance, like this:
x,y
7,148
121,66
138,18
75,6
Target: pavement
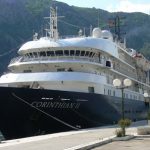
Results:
x,y
68,140
139,143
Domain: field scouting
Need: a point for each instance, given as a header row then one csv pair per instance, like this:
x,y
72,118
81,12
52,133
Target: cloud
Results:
x,y
128,6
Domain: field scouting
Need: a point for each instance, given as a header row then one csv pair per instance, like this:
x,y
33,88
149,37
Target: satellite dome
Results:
x,y
107,34
97,32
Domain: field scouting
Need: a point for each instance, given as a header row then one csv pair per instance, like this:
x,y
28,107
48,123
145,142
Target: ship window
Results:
x,y
91,89
140,97
72,52
59,53
131,96
26,71
109,92
66,52
93,54
26,55
108,63
50,53
87,53
26,86
70,69
61,69
31,55
35,54
82,53
42,54
77,53
90,54
114,93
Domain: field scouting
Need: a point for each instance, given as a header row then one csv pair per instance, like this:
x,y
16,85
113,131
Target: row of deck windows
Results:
x,y
112,93
61,53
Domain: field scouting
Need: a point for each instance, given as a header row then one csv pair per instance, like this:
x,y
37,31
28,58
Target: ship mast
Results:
x,y
53,30
115,23
53,24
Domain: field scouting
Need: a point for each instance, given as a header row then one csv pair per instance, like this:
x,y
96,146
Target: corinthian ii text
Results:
x,y
61,105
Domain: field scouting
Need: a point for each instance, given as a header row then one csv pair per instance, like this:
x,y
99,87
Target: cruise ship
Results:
x,y
60,84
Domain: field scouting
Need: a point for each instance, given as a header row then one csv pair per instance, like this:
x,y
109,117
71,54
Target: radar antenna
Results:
x,y
116,23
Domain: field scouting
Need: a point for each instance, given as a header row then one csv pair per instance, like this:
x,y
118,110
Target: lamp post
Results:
x,y
122,84
147,96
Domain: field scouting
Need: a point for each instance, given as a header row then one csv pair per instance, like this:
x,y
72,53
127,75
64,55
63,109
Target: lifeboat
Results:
x,y
141,61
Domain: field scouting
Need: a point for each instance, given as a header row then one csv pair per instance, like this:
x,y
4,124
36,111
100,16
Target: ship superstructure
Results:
x,y
54,80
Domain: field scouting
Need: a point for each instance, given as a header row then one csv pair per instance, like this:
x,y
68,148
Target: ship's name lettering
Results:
x,y
61,105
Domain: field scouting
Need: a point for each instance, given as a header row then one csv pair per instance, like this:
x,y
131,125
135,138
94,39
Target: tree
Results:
x,y
124,123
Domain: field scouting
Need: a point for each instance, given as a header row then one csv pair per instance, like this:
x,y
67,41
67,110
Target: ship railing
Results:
x,y
123,71
16,59
55,58
70,36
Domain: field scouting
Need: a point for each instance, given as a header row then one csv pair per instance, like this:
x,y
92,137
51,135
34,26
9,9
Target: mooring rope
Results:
x,y
44,112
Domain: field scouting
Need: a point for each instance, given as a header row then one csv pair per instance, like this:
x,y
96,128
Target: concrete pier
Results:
x,y
67,140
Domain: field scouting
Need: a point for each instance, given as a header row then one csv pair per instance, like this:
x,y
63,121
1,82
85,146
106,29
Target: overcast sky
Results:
x,y
113,5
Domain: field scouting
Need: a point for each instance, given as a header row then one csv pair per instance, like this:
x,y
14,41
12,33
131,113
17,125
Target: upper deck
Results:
x,y
80,42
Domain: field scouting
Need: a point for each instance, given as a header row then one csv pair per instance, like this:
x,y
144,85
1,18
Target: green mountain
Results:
x,y
20,19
